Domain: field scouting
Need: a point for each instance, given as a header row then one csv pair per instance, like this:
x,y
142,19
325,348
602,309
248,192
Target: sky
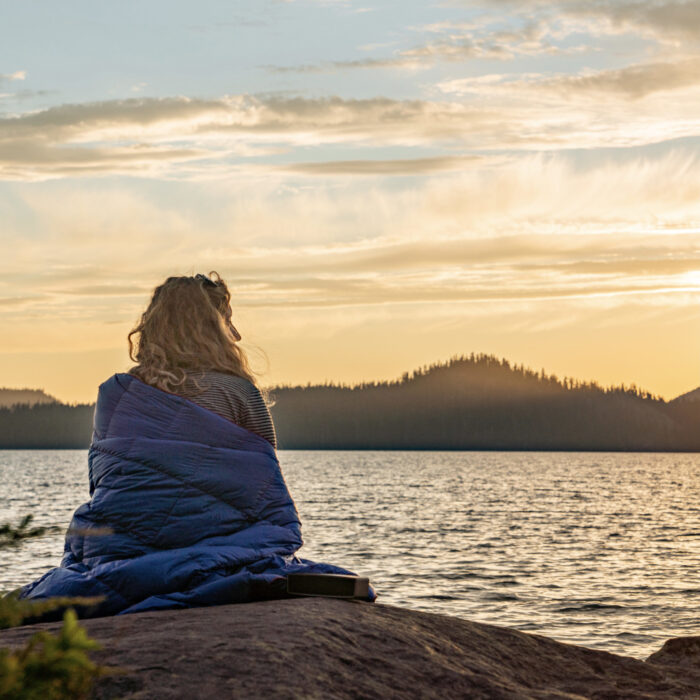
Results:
x,y
383,185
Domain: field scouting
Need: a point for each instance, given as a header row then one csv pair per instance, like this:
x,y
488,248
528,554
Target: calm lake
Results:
x,y
598,549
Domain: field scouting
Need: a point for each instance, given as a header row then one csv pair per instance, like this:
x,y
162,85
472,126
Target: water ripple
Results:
x,y
588,548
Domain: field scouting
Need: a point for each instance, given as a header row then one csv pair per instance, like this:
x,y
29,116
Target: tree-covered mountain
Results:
x,y
482,402
691,396
12,397
46,425
469,402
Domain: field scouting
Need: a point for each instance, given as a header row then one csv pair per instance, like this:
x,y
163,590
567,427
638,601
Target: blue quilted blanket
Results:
x,y
186,509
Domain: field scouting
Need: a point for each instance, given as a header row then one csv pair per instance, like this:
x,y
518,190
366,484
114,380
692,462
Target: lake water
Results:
x,y
598,549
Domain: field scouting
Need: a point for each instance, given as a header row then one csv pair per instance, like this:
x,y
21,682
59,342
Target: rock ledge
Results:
x,y
328,648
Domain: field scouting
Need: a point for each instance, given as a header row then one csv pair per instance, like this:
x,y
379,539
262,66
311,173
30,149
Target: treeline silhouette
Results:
x,y
45,425
473,402
482,402
10,397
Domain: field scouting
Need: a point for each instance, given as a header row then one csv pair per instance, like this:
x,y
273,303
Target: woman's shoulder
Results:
x,y
228,381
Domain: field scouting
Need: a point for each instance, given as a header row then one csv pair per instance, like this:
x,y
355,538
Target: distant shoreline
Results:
x,y
476,403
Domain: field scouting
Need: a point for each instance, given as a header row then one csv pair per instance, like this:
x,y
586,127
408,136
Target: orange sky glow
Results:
x,y
515,177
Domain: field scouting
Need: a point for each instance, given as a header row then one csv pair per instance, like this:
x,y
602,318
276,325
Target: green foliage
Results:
x,y
50,667
13,610
10,535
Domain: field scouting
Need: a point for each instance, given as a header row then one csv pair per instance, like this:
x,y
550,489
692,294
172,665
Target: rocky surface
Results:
x,y
328,648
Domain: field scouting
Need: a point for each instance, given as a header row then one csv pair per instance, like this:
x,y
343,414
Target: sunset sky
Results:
x,y
383,184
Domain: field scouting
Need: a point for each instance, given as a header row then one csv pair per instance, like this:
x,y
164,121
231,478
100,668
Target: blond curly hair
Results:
x,y
186,329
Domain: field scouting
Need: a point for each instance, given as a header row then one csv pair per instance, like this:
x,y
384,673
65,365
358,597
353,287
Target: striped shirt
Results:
x,y
235,398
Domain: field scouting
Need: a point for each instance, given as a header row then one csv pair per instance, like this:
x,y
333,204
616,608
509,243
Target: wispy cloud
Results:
x,y
528,28
75,139
535,229
399,166
17,75
633,82
82,138
663,20
213,138
451,43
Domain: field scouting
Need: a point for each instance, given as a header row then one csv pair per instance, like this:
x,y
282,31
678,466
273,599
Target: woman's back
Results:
x,y
235,398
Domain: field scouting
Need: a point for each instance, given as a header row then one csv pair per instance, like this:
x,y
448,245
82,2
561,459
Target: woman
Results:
x,y
187,345
188,504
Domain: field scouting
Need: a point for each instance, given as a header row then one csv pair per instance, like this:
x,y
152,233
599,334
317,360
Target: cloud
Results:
x,y
218,138
535,229
81,138
301,203
20,301
416,58
21,158
107,290
664,20
17,75
75,120
529,28
504,250
632,82
74,139
399,166
456,42
674,20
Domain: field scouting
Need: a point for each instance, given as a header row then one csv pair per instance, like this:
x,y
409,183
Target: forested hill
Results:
x,y
470,402
693,395
12,397
482,402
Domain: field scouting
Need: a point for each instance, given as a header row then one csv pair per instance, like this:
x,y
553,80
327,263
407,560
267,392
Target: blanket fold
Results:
x,y
186,509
